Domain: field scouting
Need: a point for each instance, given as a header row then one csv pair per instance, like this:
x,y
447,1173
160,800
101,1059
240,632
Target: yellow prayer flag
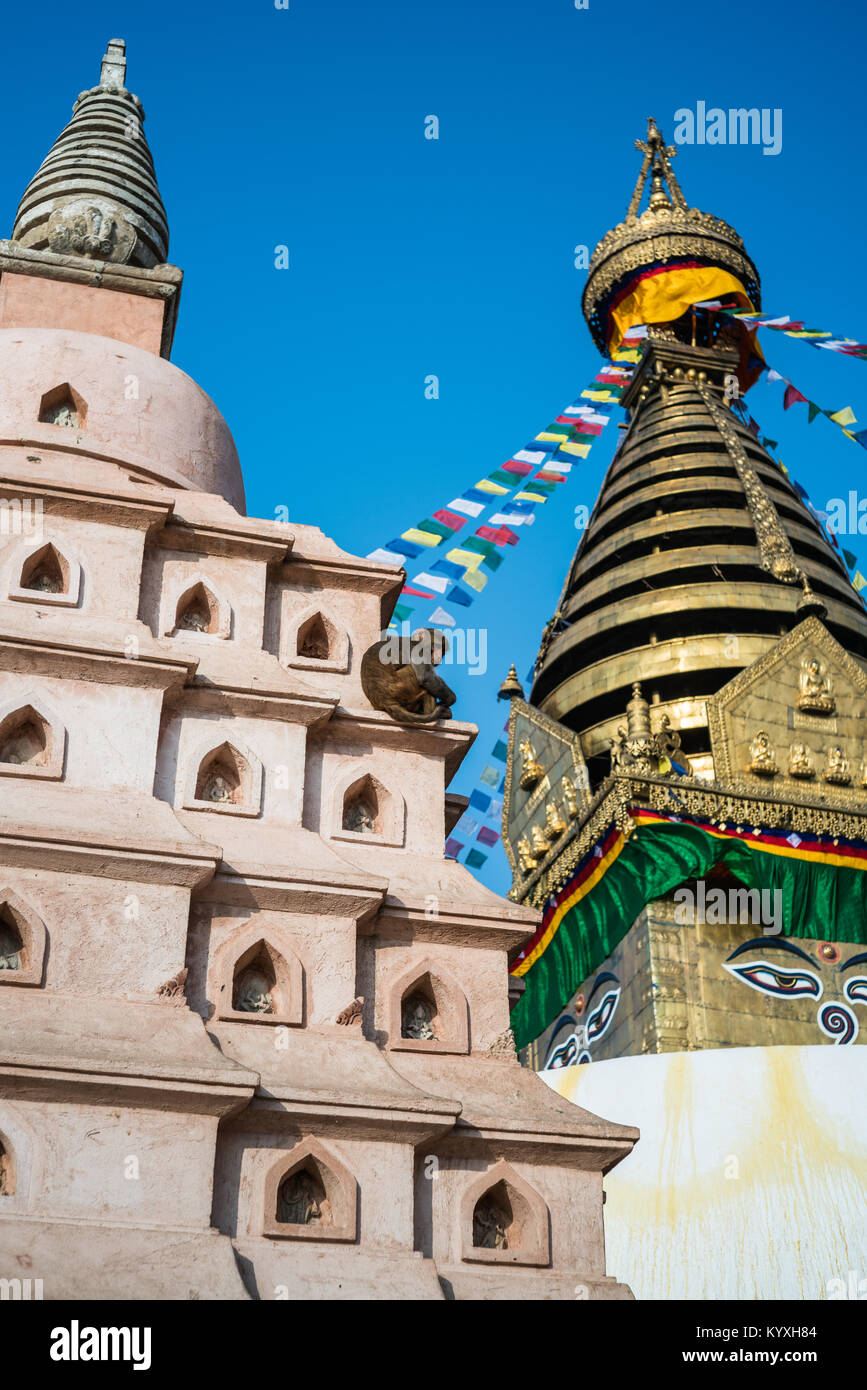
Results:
x,y
846,416
421,537
469,558
859,582
552,437
581,450
485,485
475,579
530,497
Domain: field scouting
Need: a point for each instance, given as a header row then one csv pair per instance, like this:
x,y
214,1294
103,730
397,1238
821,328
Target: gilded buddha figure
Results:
x,y
762,760
525,856
554,822
799,761
837,768
540,844
815,692
570,797
531,769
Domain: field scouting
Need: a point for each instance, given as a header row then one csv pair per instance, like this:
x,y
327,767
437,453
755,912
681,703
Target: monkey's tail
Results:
x,y
403,716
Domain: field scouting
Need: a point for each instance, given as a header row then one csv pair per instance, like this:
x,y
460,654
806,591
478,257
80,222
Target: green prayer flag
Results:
x,y
812,411
475,859
436,528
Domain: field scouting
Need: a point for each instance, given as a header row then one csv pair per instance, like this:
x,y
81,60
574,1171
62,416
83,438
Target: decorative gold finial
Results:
x,y
511,686
809,604
657,163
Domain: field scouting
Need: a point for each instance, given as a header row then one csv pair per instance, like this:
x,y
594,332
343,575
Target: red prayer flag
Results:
x,y
417,593
516,466
498,535
583,427
451,519
791,395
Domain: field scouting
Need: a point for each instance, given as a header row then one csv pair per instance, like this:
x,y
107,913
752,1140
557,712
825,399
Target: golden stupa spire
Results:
x,y
657,164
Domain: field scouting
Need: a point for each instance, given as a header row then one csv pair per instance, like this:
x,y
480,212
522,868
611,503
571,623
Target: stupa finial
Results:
x,y
657,164
95,195
511,686
113,70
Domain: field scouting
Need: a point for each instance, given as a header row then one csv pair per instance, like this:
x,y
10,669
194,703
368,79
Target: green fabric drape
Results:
x,y
819,901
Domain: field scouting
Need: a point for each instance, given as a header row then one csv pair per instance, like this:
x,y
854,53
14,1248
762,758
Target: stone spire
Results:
x,y
96,193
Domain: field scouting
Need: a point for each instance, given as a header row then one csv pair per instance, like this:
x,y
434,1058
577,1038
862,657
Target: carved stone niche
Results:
x,y
804,700
22,941
364,810
503,1220
427,1011
198,611
310,640
7,1170
226,778
63,406
255,980
44,572
310,1194
31,744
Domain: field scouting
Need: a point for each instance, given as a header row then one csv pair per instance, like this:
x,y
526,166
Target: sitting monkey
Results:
x,y
398,677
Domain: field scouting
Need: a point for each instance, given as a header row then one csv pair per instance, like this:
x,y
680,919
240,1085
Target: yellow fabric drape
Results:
x,y
664,297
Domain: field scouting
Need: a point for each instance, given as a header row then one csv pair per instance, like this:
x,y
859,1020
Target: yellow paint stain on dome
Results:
x,y
750,1176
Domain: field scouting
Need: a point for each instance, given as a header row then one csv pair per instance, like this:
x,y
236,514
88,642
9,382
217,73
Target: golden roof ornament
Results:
x,y
511,686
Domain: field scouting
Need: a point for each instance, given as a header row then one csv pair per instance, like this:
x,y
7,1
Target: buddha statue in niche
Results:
x,y
416,1017
490,1225
299,1203
253,994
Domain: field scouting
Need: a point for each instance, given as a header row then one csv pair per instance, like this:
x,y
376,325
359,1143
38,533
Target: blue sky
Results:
x,y
408,257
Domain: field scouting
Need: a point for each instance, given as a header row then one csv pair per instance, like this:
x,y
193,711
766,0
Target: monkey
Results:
x,y
399,677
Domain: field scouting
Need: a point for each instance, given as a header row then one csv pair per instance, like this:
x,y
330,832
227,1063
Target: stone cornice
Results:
x,y
249,540
505,932
88,660
307,709
275,1106
60,498
143,1052
352,896
100,832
